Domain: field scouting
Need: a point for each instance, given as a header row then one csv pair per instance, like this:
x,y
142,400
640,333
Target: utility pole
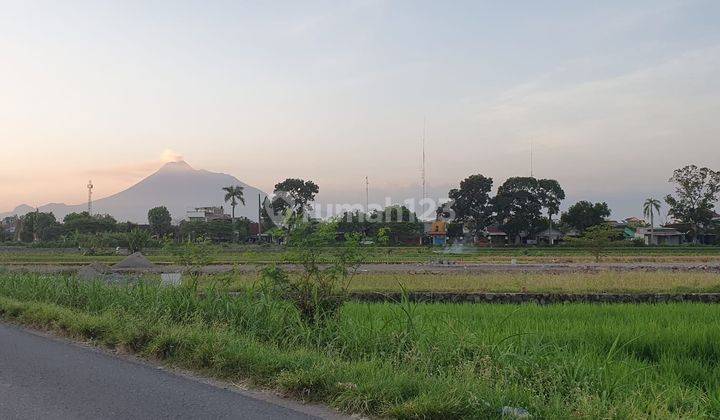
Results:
x,y
90,187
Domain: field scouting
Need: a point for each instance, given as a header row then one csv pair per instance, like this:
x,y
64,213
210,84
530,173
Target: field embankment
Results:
x,y
229,255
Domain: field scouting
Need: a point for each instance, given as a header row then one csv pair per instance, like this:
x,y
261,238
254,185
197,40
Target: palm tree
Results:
x,y
651,207
234,193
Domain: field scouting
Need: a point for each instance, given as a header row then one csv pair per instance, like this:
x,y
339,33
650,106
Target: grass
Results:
x,y
263,255
406,360
571,282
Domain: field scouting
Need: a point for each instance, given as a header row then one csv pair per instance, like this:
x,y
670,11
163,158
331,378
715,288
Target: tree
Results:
x,y
160,220
38,226
696,190
234,194
518,206
551,195
650,207
137,239
471,203
294,196
84,222
401,222
585,214
596,238
242,228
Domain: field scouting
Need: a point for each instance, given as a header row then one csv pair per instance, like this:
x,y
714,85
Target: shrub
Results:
x,y
317,291
137,239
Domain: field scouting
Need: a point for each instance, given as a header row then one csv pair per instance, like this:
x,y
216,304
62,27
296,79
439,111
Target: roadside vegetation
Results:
x,y
404,360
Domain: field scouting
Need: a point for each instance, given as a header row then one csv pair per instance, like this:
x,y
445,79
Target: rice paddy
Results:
x,y
406,360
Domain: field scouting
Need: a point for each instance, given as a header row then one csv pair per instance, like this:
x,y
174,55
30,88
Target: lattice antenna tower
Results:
x,y
422,165
90,187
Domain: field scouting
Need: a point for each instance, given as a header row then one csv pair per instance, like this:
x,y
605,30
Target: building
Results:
x,y
206,214
10,224
550,236
495,236
660,236
438,232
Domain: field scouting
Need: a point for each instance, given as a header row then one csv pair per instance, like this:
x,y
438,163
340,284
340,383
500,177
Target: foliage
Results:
x,y
382,360
38,226
294,196
401,223
320,288
160,221
84,222
266,222
383,236
234,194
596,238
471,203
520,202
219,230
518,206
551,195
696,191
585,214
137,239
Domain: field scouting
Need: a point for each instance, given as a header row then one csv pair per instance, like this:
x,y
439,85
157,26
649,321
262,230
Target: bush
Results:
x,y
318,291
638,242
137,239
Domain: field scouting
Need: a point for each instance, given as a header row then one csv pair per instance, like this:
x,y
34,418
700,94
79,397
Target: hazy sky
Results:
x,y
614,94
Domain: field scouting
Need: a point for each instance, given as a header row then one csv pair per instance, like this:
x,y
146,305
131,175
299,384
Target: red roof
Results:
x,y
494,231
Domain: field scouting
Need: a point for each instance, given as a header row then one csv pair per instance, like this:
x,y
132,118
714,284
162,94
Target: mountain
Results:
x,y
176,185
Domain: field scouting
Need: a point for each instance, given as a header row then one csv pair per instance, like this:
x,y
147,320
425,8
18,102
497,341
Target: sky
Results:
x,y
612,95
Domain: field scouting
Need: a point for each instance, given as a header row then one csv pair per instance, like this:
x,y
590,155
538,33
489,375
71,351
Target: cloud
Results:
x,y
169,155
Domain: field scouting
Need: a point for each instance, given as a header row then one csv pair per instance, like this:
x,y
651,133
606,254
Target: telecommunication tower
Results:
x,y
90,187
422,166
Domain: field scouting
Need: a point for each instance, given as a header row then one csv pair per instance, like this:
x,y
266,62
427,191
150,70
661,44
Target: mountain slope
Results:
x,y
176,186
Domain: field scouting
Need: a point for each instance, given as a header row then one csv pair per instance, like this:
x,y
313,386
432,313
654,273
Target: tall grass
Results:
x,y
408,360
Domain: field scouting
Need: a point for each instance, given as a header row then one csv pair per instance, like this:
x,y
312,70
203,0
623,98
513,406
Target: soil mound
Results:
x,y
93,271
135,261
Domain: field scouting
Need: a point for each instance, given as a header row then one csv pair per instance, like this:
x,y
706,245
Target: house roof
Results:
x,y
494,231
659,231
550,232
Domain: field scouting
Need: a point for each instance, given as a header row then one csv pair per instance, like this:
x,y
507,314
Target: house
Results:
x,y
634,221
705,236
206,214
660,236
495,236
10,224
438,232
549,236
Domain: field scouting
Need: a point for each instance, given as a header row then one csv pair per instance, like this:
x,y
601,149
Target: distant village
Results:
x,y
521,213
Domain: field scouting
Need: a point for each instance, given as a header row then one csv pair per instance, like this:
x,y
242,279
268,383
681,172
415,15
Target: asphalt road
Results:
x,y
44,377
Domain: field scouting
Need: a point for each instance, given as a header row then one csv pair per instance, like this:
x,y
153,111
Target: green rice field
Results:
x,y
405,360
